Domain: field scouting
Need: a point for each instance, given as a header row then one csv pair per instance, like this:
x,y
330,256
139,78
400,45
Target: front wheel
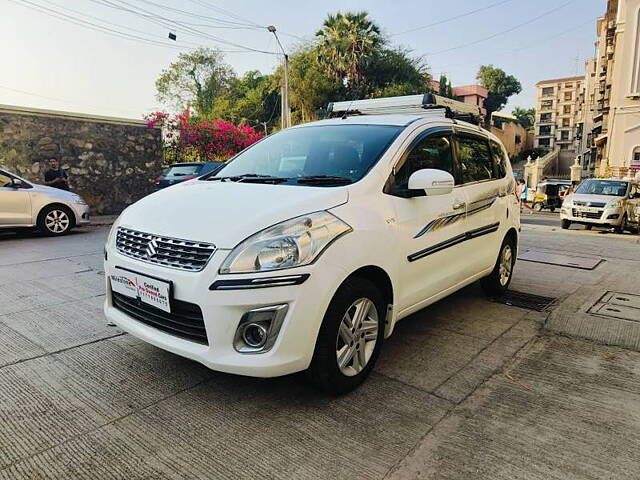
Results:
x,y
55,220
500,278
350,337
588,226
565,224
537,207
620,228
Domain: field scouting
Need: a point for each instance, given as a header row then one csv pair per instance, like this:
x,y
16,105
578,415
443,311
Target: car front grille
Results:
x,y
581,203
165,251
592,215
185,319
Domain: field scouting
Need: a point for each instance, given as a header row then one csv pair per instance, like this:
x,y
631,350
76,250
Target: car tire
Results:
x,y
552,209
620,228
55,220
537,207
357,300
588,227
499,279
565,224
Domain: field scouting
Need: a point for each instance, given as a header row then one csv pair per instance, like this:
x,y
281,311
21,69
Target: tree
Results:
x,y
346,43
526,116
500,86
393,72
198,78
445,89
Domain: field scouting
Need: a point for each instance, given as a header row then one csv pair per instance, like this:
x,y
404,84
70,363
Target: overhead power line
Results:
x,y
450,19
200,16
497,34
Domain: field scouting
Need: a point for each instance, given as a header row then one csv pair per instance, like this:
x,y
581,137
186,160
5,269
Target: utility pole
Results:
x,y
285,116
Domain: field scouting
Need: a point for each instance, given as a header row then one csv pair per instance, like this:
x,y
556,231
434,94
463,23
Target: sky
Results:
x,y
49,59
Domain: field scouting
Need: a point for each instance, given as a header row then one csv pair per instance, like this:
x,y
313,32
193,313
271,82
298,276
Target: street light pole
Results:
x,y
285,117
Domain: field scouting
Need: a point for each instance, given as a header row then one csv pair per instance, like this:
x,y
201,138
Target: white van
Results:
x,y
304,251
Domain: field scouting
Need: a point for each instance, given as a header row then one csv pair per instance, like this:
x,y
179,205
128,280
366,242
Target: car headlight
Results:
x,y
79,201
566,204
292,243
614,204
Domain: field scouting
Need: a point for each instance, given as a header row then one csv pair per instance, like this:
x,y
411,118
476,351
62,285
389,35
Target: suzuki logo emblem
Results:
x,y
152,248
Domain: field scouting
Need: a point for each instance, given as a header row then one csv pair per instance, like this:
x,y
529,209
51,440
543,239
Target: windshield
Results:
x,y
182,170
307,153
603,187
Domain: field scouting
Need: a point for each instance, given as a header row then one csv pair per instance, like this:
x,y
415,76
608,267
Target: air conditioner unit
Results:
x,y
423,105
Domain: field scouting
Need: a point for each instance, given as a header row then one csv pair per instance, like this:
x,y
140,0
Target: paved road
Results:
x,y
464,389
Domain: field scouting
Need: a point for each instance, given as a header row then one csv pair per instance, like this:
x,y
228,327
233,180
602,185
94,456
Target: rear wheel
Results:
x,y
565,224
500,278
350,337
55,220
553,209
588,227
537,207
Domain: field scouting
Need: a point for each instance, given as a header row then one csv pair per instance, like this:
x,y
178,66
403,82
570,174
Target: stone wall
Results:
x,y
111,162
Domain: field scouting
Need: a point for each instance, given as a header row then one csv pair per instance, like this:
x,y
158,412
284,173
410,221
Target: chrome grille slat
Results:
x,y
169,252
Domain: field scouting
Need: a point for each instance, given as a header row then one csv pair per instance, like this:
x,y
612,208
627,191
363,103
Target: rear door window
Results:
x,y
183,170
474,159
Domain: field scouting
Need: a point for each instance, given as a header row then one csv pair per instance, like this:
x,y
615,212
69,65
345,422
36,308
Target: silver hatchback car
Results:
x,y
51,210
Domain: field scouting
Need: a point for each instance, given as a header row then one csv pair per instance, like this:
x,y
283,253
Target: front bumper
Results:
x,y
82,214
591,215
222,311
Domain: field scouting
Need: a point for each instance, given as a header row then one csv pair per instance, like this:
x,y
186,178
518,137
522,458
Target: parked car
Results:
x,y
306,249
605,203
51,210
181,172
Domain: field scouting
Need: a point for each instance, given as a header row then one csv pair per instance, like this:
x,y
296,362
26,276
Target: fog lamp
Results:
x,y
258,329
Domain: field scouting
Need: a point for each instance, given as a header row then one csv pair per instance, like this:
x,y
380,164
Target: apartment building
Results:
x,y
559,113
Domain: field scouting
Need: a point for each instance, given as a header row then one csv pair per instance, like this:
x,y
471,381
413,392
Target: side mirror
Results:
x,y
16,183
432,181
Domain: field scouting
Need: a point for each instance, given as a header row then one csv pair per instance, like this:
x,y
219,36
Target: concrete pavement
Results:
x,y
466,388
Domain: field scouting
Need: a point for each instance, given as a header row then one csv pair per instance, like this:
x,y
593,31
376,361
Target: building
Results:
x,y
559,112
513,136
473,95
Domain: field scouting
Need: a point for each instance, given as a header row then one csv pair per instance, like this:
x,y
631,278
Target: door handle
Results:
x,y
458,205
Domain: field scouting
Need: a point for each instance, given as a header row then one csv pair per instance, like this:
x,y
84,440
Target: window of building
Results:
x,y
635,158
431,152
564,146
545,117
518,139
544,130
547,104
474,159
566,109
547,91
568,85
564,135
635,68
568,95
565,122
543,142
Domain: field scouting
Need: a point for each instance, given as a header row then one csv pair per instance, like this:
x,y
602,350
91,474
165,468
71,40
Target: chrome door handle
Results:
x,y
459,205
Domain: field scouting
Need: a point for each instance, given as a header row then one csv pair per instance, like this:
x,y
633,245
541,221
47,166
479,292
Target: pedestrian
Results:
x,y
521,193
56,176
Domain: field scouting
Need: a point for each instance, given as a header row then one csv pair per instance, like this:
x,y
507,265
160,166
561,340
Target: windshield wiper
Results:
x,y
251,178
328,179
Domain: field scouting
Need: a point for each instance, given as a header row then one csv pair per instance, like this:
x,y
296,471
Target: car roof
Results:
x,y
392,120
187,164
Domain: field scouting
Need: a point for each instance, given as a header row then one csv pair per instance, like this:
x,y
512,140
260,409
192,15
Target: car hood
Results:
x,y
225,213
588,197
52,192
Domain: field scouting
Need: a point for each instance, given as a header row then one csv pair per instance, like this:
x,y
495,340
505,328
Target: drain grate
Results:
x,y
527,301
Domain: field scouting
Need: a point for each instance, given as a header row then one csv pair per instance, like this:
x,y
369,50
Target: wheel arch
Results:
x,y
382,280
65,207
513,234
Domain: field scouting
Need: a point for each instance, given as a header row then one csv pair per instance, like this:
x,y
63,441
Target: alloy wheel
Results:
x,y
357,336
506,264
57,221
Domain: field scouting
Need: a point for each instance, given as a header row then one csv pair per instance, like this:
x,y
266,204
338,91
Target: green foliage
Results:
x,y
526,116
445,89
197,78
500,85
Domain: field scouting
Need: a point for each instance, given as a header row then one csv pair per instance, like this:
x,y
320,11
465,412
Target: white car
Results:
x,y
304,251
605,203
51,210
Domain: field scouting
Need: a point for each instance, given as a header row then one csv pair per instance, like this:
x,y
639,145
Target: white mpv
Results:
x,y
304,251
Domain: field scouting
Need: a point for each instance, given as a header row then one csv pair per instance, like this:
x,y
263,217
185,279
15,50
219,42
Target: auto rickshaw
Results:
x,y
549,194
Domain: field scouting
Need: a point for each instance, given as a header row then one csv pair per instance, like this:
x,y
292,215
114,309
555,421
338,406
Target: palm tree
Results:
x,y
346,42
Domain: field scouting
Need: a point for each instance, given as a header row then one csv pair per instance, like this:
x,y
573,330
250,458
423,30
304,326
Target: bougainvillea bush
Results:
x,y
205,140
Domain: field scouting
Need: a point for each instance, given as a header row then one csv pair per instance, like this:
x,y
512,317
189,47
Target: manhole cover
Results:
x,y
585,263
625,306
528,301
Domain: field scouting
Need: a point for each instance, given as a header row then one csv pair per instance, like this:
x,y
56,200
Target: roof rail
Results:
x,y
422,105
